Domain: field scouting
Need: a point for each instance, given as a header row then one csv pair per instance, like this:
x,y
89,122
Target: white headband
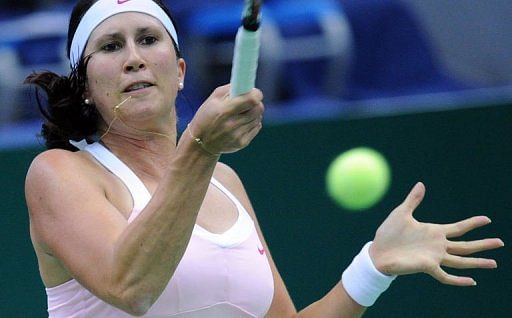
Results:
x,y
104,9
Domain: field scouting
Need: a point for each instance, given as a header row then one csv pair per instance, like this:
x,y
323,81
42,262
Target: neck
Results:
x,y
148,155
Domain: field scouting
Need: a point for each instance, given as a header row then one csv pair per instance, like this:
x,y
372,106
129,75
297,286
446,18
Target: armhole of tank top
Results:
x,y
236,234
138,191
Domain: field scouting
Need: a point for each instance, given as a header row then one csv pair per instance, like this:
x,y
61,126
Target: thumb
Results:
x,y
221,91
414,198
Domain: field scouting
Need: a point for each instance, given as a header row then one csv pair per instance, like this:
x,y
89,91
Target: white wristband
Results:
x,y
362,281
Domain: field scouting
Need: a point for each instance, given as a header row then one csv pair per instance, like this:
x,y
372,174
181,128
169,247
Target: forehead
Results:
x,y
125,22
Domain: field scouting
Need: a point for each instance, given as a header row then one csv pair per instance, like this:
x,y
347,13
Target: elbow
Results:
x,y
136,303
135,312
137,309
139,305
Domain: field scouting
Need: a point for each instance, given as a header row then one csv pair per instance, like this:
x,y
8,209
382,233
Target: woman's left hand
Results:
x,y
402,245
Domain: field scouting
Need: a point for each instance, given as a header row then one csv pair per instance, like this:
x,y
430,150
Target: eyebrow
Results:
x,y
119,35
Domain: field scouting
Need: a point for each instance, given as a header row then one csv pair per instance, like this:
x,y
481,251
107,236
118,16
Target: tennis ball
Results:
x,y
358,178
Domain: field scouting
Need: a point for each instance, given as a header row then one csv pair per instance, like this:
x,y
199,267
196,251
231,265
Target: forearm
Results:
x,y
336,304
149,250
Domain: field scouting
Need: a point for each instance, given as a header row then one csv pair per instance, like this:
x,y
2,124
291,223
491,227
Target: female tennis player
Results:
x,y
135,222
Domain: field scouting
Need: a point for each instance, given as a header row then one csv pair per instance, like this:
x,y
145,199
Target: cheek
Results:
x,y
100,79
167,75
165,62
166,68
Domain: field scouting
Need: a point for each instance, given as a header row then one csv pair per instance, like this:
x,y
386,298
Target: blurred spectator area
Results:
x,y
470,38
33,41
319,58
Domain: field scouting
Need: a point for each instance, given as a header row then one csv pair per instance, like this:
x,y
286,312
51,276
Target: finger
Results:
x,y
248,136
258,106
462,227
248,128
240,105
414,198
466,248
460,262
449,279
254,113
253,132
243,103
221,91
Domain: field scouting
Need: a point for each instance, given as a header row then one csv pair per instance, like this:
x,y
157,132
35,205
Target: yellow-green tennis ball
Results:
x,y
358,178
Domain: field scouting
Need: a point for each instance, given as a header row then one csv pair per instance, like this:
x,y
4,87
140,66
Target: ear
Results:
x,y
86,94
182,68
87,99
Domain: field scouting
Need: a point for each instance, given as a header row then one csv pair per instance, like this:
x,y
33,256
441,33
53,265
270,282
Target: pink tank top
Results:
x,y
220,275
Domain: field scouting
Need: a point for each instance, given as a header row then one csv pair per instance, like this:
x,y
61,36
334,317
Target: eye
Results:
x,y
111,46
148,40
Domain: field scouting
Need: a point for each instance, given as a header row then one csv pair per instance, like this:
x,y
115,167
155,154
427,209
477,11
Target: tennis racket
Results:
x,y
246,52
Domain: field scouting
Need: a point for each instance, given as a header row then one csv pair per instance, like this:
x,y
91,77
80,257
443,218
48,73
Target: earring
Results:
x,y
87,101
181,86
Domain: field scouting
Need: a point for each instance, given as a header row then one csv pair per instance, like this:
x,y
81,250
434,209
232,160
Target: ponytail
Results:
x,y
66,116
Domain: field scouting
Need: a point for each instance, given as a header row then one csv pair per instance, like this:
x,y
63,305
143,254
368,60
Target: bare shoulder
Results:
x,y
48,165
53,165
52,176
57,174
52,157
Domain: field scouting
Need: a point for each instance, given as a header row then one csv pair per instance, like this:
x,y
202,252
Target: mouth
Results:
x,y
137,86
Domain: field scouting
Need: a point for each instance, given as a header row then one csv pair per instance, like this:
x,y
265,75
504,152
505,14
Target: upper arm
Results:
x,y
282,304
71,218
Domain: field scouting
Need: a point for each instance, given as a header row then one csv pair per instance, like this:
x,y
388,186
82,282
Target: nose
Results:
x,y
134,67
135,61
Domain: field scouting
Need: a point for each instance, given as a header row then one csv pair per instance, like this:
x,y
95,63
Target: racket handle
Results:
x,y
245,61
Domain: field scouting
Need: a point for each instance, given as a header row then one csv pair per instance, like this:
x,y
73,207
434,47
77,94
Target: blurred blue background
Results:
x,y
319,59
427,83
